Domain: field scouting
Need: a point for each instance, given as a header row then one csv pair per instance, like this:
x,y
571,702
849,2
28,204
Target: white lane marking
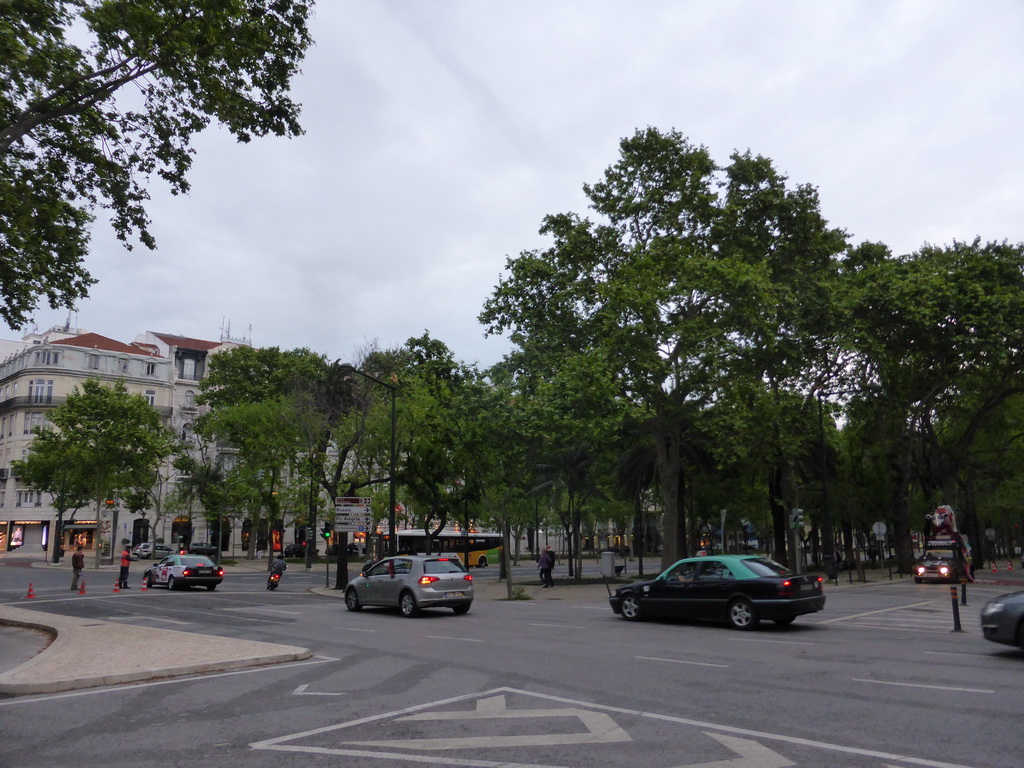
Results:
x,y
873,613
559,626
760,640
463,639
277,742
600,728
751,755
301,691
170,681
148,618
681,661
263,610
922,685
354,629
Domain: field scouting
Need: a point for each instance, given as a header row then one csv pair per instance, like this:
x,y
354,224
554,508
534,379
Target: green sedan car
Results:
x,y
737,589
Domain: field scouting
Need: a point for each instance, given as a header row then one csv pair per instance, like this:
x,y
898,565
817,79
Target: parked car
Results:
x,y
202,548
739,589
148,549
1002,619
411,583
184,571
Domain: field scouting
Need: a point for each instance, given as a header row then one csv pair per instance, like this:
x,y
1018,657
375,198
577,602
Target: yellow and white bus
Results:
x,y
475,548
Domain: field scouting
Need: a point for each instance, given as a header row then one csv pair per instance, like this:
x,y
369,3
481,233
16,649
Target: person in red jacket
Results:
x,y
126,561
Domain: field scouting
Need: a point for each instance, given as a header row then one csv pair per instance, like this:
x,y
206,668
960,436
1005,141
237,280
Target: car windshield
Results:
x,y
938,554
762,566
443,565
196,560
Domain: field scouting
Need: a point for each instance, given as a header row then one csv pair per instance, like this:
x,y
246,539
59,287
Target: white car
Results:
x,y
184,571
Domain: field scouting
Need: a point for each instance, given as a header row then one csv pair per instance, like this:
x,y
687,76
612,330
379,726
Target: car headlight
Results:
x,y
993,608
920,569
944,569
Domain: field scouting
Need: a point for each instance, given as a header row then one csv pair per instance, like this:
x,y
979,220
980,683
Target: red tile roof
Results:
x,y
186,343
95,341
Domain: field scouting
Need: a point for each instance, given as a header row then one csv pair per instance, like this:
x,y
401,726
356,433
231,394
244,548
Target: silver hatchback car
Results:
x,y
412,582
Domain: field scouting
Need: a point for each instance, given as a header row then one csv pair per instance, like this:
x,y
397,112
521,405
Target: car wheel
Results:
x,y
352,601
171,583
785,620
630,608
460,610
482,562
917,580
742,614
149,582
407,602
211,587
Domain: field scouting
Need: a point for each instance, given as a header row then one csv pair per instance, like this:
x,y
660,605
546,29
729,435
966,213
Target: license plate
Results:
x,y
807,588
203,571
454,594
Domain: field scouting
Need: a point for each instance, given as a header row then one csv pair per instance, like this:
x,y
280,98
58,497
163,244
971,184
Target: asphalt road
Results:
x,y
876,679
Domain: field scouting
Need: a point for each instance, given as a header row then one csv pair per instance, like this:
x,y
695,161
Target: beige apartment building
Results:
x,y
37,374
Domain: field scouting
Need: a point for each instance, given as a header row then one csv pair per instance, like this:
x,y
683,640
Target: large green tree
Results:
x,y
697,282
73,139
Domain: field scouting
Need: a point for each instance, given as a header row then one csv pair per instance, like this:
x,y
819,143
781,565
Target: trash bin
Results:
x,y
608,565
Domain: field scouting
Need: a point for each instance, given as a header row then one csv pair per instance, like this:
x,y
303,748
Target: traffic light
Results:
x,y
796,518
326,532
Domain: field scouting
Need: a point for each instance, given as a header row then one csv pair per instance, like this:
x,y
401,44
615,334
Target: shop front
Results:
x,y
26,535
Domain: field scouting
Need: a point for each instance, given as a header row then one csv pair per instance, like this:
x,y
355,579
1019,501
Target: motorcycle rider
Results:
x,y
279,566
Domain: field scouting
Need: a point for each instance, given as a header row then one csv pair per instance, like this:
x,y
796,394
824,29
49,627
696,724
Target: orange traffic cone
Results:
x,y
1009,565
117,586
31,595
994,569
144,587
81,589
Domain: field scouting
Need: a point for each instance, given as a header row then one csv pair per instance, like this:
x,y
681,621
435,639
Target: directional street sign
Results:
x,y
352,514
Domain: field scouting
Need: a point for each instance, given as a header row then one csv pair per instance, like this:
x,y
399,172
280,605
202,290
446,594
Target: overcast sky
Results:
x,y
439,134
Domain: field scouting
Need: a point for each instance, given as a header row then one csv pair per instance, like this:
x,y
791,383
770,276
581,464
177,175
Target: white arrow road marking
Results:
x,y
601,729
751,754
301,691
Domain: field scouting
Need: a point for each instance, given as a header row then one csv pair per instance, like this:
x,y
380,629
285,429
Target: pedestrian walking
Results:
x,y
544,564
77,566
126,561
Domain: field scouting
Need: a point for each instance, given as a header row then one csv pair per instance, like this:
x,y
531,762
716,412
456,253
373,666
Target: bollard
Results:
x,y
956,610
963,590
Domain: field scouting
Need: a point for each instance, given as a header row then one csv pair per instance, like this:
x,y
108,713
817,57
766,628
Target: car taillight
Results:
x,y
220,571
428,579
787,587
468,577
186,572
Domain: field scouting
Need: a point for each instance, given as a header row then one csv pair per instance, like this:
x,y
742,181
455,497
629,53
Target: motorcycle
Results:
x,y
273,580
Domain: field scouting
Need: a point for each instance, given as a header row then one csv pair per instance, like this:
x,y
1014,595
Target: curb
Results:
x,y
142,653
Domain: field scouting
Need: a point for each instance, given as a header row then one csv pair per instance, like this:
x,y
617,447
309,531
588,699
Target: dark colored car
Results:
x,y
1002,619
184,571
202,548
938,565
412,582
739,589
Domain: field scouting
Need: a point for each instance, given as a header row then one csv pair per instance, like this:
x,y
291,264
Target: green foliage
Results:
x,y
71,141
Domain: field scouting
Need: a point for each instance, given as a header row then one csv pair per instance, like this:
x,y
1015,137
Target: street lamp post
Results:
x,y
393,387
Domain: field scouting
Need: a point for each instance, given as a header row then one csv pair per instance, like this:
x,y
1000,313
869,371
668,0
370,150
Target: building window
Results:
x,y
150,369
40,390
93,362
33,419
125,364
188,368
151,396
190,398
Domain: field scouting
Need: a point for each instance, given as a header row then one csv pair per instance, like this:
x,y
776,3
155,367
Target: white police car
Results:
x,y
184,571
